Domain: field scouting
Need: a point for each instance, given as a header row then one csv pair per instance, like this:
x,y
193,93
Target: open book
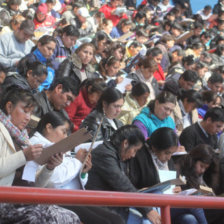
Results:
x,y
163,186
64,145
203,190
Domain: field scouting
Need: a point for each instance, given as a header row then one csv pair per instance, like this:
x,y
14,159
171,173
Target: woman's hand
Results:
x,y
181,148
154,217
177,190
81,155
128,87
54,161
32,152
88,164
119,79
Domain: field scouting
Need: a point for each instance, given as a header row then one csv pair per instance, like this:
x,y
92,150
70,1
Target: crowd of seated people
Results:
x,y
144,78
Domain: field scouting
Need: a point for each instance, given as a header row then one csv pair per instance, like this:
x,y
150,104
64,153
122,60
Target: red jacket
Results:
x,y
79,109
159,73
106,10
48,22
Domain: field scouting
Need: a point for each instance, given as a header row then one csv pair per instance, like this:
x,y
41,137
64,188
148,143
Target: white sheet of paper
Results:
x,y
87,146
179,153
165,175
121,86
29,172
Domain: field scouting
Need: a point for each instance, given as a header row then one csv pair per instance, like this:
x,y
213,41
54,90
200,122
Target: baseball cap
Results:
x,y
83,12
28,26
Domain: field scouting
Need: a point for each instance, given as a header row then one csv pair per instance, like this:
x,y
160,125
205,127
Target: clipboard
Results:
x,y
64,145
124,37
184,37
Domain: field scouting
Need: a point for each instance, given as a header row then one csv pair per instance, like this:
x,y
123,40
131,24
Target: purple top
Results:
x,y
142,127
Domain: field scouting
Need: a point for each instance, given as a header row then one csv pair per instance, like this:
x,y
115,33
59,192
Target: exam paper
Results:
x,y
121,86
165,175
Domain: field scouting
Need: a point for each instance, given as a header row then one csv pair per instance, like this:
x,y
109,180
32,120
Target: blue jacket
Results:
x,y
116,33
151,122
37,56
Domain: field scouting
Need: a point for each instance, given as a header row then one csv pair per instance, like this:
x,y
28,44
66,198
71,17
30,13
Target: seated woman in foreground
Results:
x,y
16,108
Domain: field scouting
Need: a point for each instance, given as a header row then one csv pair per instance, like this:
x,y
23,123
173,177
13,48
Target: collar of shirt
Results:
x,y
203,130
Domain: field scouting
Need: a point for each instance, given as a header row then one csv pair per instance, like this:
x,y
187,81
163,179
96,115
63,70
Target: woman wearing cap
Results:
x,y
185,112
42,19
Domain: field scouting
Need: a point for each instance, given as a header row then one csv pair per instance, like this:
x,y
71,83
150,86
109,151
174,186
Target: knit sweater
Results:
x,y
149,122
11,50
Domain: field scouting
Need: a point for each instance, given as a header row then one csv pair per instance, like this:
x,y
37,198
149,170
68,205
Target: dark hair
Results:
x,y
77,4
197,45
16,94
106,61
168,137
190,76
68,85
148,63
46,39
200,65
55,118
99,37
177,26
97,85
203,153
131,133
153,52
37,68
215,78
207,7
139,89
70,30
219,50
215,113
198,25
124,22
84,45
166,37
140,15
209,96
135,44
163,97
14,2
116,45
192,96
109,95
189,60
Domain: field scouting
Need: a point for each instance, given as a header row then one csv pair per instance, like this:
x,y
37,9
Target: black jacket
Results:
x,y
72,66
193,136
143,172
109,173
92,121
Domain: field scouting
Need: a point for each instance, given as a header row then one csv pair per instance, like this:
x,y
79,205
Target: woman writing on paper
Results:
x,y
147,167
17,106
52,128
